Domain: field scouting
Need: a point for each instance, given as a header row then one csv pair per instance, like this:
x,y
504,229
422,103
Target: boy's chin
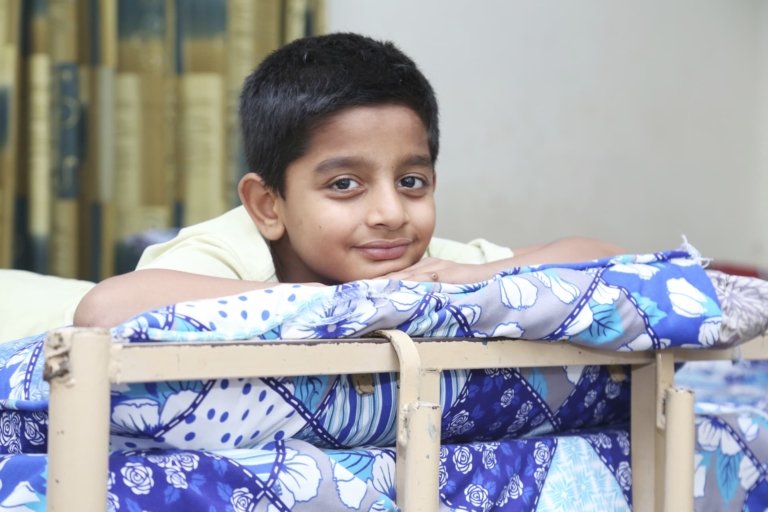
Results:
x,y
365,274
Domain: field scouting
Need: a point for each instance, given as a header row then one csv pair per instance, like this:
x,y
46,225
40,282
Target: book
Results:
x,y
201,36
128,162
171,112
10,21
145,145
35,150
316,22
142,51
241,61
66,121
268,27
97,49
105,126
296,20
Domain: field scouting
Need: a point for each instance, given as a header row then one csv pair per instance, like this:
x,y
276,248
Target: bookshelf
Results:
x,y
120,116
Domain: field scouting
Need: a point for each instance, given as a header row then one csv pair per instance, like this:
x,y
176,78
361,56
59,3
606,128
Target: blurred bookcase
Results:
x,y
118,121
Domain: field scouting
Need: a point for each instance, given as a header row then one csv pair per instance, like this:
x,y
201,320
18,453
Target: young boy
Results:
x,y
341,138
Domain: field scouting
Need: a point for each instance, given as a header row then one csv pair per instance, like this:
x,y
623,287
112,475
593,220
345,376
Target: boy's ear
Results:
x,y
262,205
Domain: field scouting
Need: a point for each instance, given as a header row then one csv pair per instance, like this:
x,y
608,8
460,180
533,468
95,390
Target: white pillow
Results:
x,y
32,303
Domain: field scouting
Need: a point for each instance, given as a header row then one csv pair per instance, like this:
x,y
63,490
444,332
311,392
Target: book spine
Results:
x,y
143,50
67,141
97,62
175,37
128,154
172,169
39,151
10,19
295,20
241,55
38,143
104,124
317,18
268,28
202,107
202,141
87,52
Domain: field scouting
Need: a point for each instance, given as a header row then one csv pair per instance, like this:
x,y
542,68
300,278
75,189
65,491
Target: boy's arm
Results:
x,y
567,250
120,298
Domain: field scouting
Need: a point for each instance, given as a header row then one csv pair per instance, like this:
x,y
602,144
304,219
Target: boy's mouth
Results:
x,y
380,250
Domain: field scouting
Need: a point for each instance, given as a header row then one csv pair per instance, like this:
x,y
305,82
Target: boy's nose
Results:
x,y
386,208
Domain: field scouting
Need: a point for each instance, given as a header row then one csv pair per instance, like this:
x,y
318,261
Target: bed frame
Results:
x,y
81,364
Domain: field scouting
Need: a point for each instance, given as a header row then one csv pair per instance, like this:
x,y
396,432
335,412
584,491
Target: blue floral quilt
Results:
x,y
513,439
731,433
625,303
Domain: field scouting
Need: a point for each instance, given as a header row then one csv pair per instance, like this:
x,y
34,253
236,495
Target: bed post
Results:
x,y
77,368
649,385
422,463
418,430
680,433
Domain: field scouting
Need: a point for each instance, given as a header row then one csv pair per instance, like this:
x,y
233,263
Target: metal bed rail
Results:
x,y
82,364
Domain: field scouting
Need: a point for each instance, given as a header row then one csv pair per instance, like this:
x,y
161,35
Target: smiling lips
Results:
x,y
380,250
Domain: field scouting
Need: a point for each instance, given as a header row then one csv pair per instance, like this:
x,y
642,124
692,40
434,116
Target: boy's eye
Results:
x,y
412,182
345,184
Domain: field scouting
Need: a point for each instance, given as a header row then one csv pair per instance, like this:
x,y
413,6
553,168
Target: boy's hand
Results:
x,y
442,271
562,251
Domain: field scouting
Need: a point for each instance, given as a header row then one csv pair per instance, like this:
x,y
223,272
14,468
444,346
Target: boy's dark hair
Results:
x,y
303,83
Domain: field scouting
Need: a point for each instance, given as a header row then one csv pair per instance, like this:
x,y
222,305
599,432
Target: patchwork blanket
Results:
x,y
731,433
300,443
625,303
584,471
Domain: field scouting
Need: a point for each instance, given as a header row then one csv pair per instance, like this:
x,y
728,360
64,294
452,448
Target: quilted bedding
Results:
x,y
513,439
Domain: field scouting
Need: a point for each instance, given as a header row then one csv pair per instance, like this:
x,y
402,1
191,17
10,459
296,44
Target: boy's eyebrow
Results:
x,y
418,161
339,162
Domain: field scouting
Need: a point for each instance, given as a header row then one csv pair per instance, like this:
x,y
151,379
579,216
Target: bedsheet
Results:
x,y
731,434
535,439
664,299
588,471
625,303
328,411
574,472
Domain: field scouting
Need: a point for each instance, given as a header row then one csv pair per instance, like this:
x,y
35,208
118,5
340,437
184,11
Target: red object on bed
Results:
x,y
739,270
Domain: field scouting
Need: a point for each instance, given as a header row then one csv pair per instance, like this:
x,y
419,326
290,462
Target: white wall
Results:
x,y
631,121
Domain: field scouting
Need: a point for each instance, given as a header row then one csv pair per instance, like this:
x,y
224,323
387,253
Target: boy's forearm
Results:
x,y
120,298
567,250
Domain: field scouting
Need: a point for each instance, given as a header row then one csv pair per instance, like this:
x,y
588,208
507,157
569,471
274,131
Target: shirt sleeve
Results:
x,y
492,252
475,252
204,255
228,246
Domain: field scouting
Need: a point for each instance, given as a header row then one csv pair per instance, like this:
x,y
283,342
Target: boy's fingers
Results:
x,y
451,275
458,274
422,264
407,275
423,267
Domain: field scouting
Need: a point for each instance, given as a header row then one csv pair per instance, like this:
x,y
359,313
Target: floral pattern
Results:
x,y
276,476
731,431
623,303
278,443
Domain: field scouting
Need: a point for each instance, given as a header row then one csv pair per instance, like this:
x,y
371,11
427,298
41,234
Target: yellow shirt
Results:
x,y
230,246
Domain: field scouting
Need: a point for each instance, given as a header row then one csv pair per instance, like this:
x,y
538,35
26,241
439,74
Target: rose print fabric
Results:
x,y
513,439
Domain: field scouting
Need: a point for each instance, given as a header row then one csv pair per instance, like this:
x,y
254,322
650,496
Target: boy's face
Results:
x,y
360,203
